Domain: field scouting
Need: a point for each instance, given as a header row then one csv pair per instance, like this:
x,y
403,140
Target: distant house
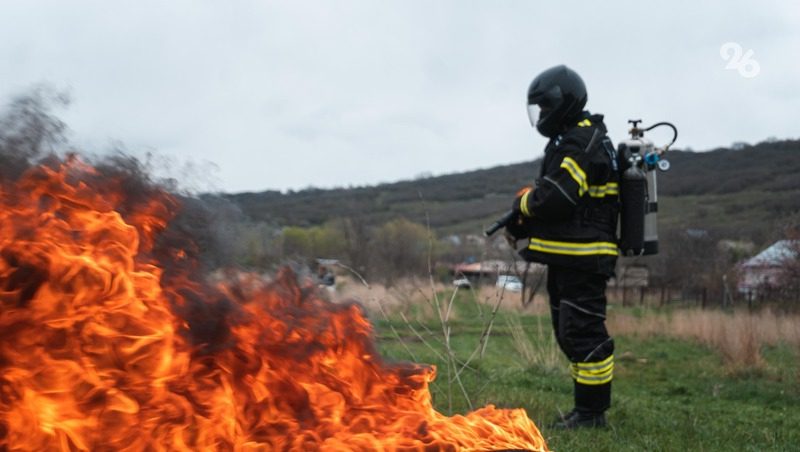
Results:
x,y
697,233
631,276
490,269
763,271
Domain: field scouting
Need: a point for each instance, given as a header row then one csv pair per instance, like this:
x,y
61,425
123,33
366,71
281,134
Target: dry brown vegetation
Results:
x,y
417,292
536,346
739,336
411,300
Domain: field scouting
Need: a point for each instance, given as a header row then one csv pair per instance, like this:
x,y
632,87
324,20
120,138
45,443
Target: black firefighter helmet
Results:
x,y
560,94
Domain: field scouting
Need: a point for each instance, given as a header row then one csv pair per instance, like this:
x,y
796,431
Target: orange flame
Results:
x,y
100,350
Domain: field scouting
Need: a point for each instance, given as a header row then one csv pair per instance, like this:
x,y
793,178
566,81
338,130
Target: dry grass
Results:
x,y
542,351
738,336
418,293
391,300
512,301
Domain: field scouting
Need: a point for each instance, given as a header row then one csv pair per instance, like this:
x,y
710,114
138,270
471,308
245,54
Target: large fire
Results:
x,y
107,344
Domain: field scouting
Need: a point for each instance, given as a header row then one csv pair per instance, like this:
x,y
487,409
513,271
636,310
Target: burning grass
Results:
x,y
111,338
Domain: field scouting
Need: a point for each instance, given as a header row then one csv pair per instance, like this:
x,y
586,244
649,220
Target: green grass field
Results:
x,y
668,395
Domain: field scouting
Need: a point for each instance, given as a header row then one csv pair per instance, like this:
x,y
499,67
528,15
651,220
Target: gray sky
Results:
x,y
294,94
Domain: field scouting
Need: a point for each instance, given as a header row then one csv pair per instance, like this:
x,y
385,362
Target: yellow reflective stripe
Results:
x,y
585,123
573,248
523,204
596,365
594,380
593,373
577,173
600,370
600,191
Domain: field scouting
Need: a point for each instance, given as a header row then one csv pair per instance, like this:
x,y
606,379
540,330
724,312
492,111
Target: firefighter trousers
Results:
x,y
578,311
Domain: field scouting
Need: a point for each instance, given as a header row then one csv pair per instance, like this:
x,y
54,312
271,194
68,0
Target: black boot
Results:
x,y
591,402
562,418
577,419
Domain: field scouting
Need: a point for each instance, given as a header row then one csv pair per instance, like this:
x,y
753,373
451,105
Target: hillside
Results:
x,y
744,193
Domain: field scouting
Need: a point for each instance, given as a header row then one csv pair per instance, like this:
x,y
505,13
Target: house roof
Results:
x,y
490,266
777,254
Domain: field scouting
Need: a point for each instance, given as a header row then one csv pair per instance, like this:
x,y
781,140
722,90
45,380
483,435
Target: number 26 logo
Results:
x,y
737,59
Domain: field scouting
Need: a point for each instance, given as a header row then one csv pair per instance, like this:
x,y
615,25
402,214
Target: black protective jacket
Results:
x,y
571,215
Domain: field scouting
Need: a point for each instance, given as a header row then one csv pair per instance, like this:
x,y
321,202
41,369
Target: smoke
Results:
x,y
31,134
193,240
28,130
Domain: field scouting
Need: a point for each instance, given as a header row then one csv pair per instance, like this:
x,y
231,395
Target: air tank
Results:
x,y
639,209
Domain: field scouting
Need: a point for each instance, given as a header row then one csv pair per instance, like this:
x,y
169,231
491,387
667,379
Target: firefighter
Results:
x,y
569,222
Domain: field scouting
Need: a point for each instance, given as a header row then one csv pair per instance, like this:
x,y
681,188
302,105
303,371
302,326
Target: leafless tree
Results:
x,y
29,129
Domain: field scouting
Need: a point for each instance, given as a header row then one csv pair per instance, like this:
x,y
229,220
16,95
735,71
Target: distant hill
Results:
x,y
743,193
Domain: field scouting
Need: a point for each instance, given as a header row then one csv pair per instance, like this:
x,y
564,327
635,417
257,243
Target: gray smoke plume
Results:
x,y
197,237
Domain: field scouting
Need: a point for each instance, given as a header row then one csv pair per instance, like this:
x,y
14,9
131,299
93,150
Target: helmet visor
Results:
x,y
533,114
536,113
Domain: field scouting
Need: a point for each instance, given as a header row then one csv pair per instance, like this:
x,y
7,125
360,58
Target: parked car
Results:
x,y
510,282
462,282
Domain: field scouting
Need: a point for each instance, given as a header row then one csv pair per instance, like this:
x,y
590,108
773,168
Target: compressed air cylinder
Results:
x,y
651,216
633,197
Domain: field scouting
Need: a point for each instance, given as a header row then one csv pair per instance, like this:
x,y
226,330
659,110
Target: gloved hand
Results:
x,y
518,227
521,201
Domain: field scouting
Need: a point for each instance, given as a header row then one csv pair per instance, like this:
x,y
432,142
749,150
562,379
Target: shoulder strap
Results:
x,y
612,153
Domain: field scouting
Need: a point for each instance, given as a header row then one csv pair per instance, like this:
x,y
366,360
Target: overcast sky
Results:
x,y
293,94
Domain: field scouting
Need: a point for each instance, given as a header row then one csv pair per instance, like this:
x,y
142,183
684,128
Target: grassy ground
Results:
x,y
669,394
